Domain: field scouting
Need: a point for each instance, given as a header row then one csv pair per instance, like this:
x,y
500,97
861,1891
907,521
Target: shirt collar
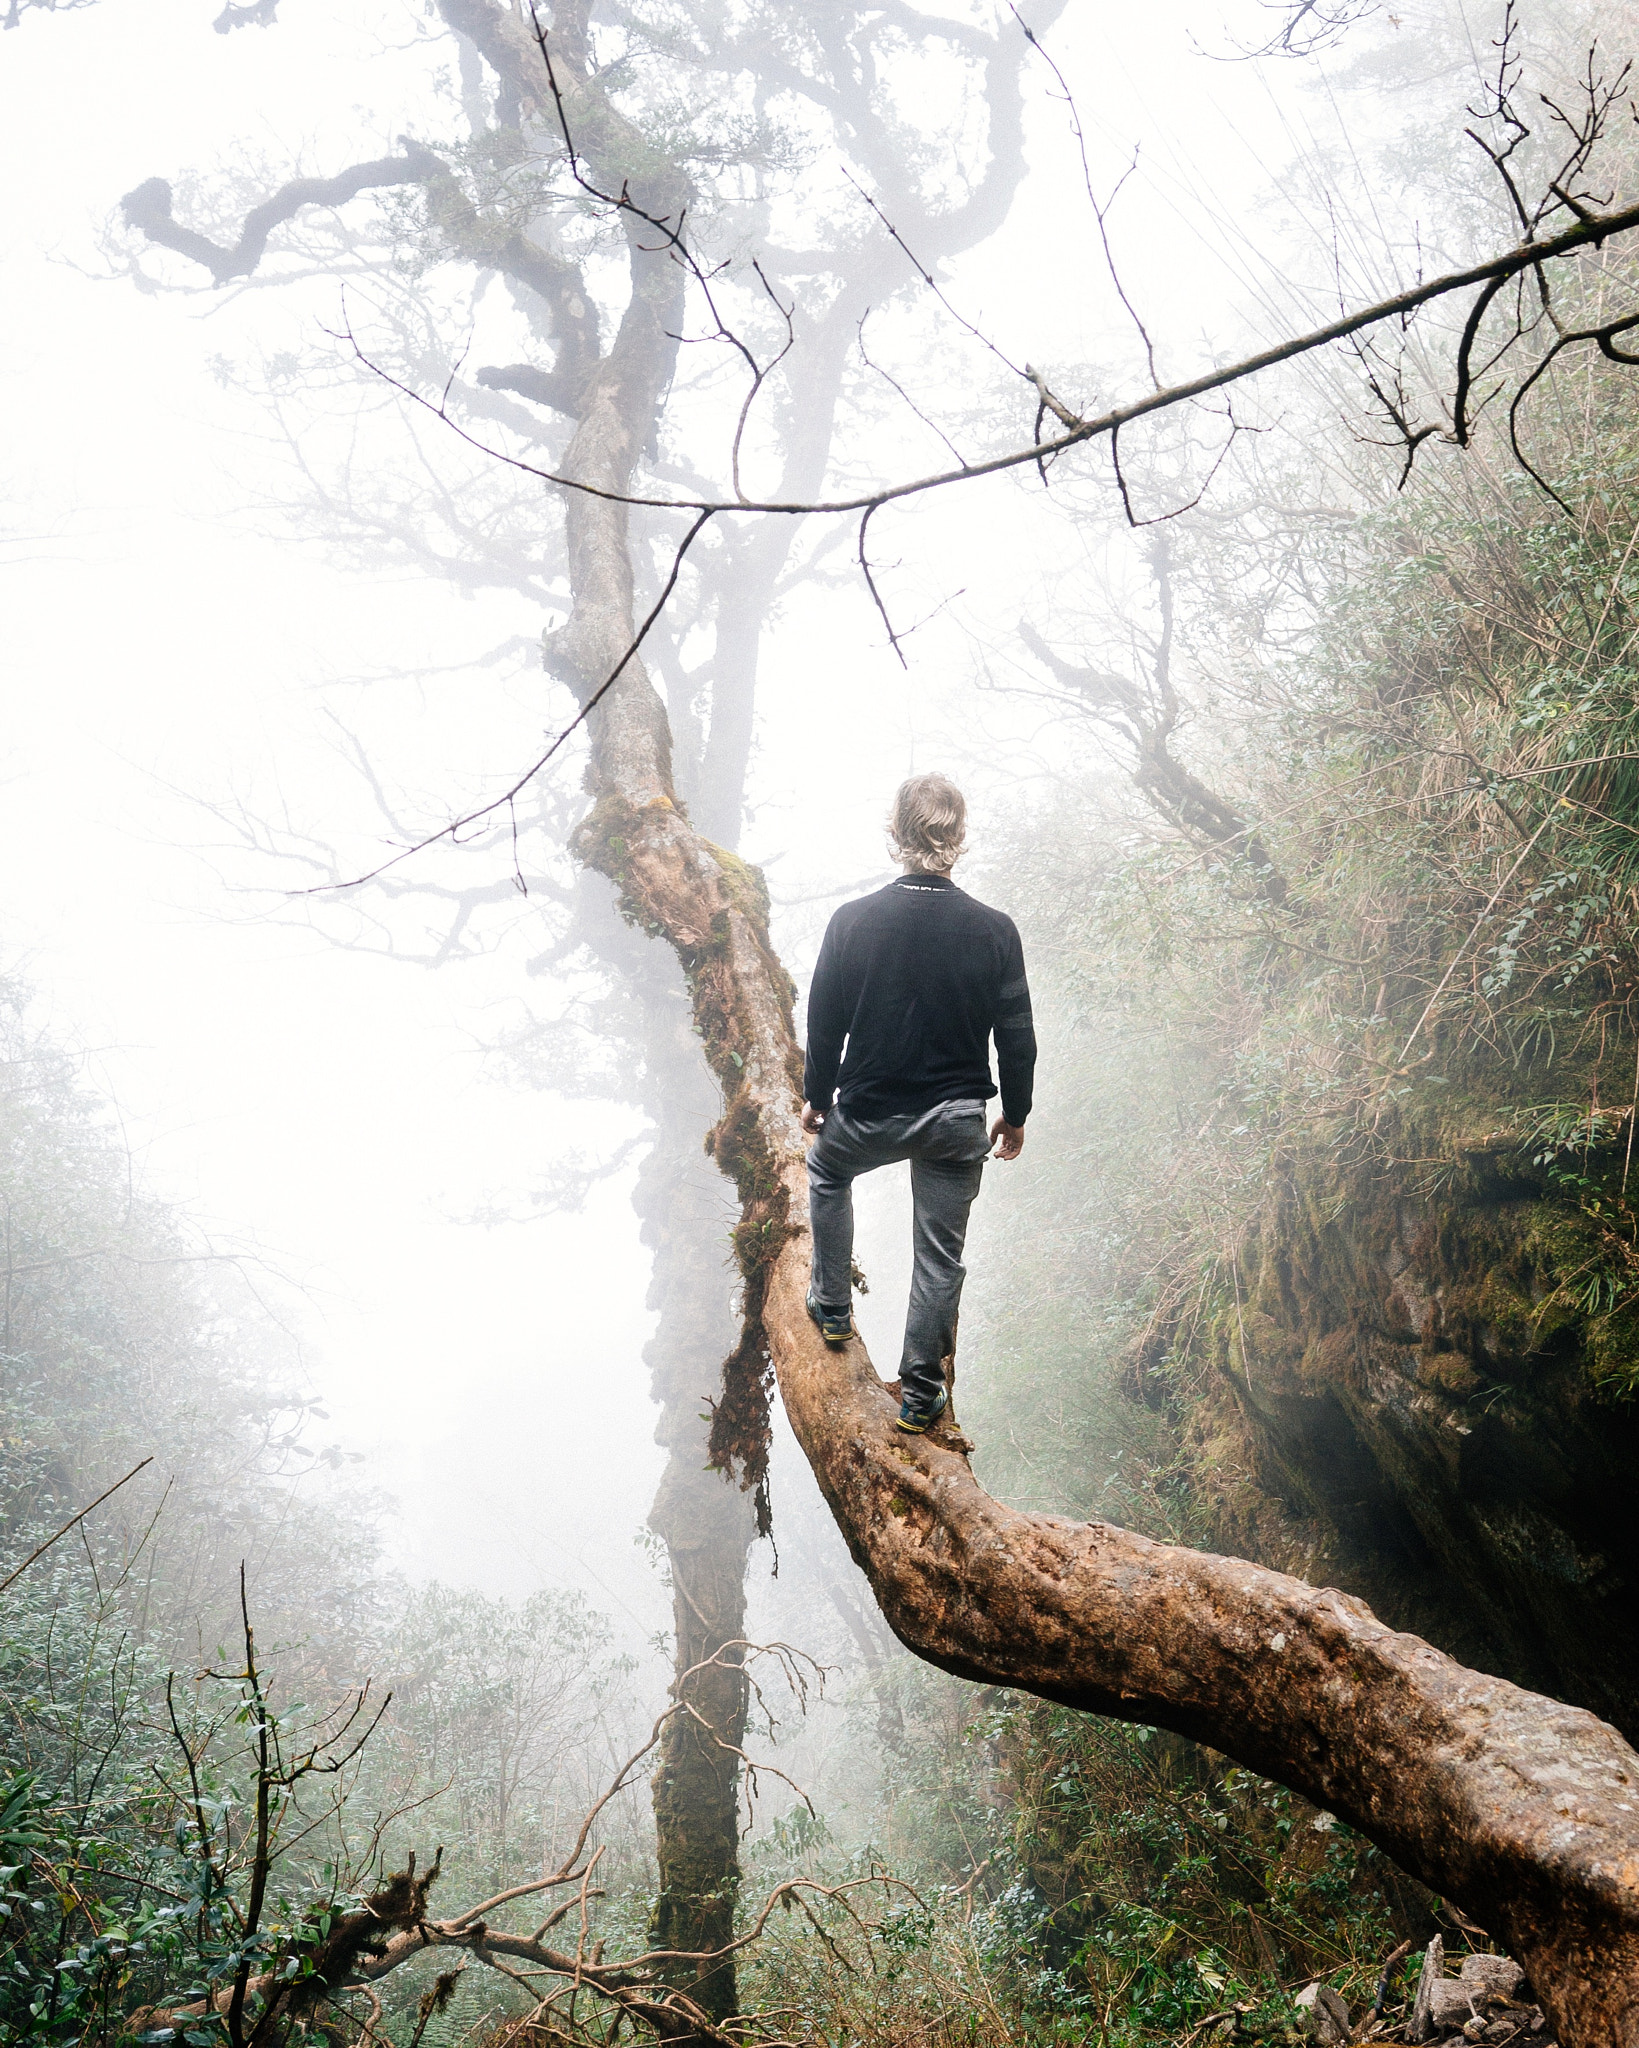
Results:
x,y
915,881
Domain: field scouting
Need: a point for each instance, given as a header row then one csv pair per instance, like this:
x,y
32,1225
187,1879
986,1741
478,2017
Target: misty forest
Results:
x,y
496,500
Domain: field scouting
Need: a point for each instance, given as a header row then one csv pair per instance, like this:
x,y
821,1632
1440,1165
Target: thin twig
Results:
x,y
72,1521
488,810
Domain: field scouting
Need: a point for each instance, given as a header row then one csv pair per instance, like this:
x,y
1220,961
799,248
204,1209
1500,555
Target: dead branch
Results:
x,y
391,1927
1145,714
1591,233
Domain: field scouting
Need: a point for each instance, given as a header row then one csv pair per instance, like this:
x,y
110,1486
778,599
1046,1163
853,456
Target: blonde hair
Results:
x,y
928,824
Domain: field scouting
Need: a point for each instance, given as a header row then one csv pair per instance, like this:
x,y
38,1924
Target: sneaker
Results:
x,y
836,1324
917,1421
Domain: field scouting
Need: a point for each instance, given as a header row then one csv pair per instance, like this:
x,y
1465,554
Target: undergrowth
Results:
x,y
1075,1880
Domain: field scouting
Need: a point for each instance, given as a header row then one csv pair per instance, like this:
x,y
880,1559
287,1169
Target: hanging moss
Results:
x,y
703,933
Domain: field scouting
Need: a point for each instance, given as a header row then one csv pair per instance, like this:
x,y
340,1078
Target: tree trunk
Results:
x,y
704,1520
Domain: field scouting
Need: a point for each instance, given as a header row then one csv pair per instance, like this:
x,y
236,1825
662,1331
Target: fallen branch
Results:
x,y
377,1934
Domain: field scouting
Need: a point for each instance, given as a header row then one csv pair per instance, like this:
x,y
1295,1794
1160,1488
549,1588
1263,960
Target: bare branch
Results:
x,y
1592,233
457,826
71,1523
1101,212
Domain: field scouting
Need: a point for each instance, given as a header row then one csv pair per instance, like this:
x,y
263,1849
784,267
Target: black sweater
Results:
x,y
915,978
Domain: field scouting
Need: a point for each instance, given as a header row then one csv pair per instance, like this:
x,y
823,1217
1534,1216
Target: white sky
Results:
x,y
161,645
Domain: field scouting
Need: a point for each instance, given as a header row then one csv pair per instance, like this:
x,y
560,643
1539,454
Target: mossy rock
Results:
x,y
1416,1392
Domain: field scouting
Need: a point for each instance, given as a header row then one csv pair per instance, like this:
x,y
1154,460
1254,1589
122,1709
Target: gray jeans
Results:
x,y
947,1147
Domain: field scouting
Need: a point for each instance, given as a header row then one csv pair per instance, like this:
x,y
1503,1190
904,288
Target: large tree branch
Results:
x,y
550,388
148,209
459,226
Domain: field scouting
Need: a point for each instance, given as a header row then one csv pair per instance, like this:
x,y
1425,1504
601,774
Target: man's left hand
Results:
x,y
1007,1139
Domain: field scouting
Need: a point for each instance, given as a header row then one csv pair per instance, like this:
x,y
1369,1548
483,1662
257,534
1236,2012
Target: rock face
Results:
x,y
1408,1392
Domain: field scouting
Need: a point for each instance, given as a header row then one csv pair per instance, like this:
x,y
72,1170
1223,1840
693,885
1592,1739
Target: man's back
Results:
x,y
909,985
915,978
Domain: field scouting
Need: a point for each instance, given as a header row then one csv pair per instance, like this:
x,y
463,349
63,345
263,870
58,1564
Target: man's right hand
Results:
x,y
811,1119
1008,1139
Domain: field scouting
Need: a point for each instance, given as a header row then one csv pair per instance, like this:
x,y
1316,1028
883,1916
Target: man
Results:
x,y
909,987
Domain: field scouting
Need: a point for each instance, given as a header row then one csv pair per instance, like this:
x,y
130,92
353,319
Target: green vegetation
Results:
x,y
1020,1873
1427,719
1059,1878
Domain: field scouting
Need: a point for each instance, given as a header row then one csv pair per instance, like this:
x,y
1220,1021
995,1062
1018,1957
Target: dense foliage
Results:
x,y
1426,959
1053,1877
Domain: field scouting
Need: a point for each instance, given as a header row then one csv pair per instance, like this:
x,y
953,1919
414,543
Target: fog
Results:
x,y
268,619
169,649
